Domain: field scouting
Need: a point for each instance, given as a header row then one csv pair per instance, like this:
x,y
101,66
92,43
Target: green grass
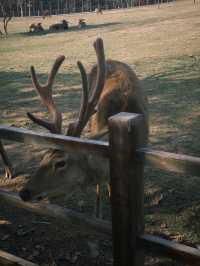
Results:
x,y
162,46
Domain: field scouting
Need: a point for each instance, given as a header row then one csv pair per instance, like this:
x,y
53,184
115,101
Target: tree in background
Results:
x,y
6,12
20,6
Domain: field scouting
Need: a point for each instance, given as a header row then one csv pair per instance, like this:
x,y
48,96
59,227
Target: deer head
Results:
x,y
59,172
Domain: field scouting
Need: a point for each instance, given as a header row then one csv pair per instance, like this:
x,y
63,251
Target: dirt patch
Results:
x,y
52,242
49,242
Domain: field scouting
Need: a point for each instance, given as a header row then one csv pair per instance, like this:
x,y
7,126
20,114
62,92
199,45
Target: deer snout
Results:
x,y
25,194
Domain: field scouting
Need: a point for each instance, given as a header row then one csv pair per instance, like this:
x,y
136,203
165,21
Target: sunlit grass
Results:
x,y
162,46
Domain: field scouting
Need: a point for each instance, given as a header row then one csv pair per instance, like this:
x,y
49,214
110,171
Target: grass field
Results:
x,y
163,46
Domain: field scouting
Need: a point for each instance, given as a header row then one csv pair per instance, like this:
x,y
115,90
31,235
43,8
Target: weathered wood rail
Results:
x,y
126,154
54,141
172,162
163,246
177,163
11,260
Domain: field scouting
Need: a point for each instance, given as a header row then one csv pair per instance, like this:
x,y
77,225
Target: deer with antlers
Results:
x,y
111,87
36,27
81,23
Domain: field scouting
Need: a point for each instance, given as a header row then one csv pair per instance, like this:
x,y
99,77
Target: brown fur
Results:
x,y
36,27
60,172
122,92
59,26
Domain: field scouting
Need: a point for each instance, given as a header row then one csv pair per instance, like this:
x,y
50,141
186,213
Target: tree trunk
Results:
x,y
58,7
21,10
5,24
82,8
29,8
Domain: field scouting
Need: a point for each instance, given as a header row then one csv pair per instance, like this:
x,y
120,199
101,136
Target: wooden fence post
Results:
x,y
126,133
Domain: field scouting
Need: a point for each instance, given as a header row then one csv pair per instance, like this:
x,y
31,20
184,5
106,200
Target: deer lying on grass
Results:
x,y
36,27
81,23
112,87
59,26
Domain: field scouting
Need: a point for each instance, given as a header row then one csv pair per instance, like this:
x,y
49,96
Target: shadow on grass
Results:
x,y
17,94
71,29
174,110
174,107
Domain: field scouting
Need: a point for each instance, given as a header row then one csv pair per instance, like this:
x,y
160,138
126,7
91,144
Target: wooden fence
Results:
x,y
126,154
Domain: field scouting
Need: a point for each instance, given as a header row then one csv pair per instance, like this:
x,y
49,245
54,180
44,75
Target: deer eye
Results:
x,y
60,164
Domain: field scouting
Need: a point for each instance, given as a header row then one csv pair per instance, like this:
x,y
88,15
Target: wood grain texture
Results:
x,y
54,141
172,162
127,187
7,259
156,244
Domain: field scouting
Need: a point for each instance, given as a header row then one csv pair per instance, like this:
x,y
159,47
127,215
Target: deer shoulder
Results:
x,y
122,92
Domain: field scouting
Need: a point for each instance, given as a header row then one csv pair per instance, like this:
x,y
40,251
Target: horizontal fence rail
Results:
x,y
54,141
167,161
7,259
173,249
172,162
126,157
163,246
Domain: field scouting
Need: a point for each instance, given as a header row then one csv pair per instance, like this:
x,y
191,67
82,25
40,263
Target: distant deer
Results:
x,y
81,23
59,26
98,11
46,13
111,87
36,27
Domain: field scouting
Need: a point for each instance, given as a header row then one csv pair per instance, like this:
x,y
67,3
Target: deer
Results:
x,y
109,88
98,11
36,27
59,26
46,13
81,23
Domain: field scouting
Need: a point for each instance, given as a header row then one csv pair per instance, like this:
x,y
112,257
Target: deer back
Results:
x,y
122,92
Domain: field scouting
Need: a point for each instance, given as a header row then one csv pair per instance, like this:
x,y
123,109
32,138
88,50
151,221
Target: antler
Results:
x,y
45,93
8,167
88,104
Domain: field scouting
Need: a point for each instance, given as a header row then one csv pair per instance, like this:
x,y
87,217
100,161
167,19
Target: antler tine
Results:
x,y
85,90
45,93
8,167
88,105
98,45
54,69
75,128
